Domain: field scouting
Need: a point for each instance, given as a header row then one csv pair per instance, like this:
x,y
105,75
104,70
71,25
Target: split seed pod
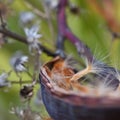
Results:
x,y
65,100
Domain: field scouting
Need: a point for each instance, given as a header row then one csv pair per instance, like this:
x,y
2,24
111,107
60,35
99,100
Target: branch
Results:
x,y
36,11
65,32
22,82
22,39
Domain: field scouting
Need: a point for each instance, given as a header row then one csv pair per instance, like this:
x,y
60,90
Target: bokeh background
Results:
x,y
95,22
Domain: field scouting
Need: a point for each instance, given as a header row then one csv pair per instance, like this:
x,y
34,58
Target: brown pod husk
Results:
x,y
63,104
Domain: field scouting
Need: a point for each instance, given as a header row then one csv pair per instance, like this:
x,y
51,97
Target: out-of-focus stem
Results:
x,y
22,39
65,32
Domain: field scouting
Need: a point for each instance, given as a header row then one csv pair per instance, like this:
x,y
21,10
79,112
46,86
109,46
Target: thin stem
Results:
x,y
66,32
3,24
49,20
22,39
60,45
37,11
29,74
13,35
36,66
22,82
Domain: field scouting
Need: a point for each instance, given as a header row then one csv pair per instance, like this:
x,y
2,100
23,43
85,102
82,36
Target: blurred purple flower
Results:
x,y
51,3
18,61
3,80
26,17
32,37
25,113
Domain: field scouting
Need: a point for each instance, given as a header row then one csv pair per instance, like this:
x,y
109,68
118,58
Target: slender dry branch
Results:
x,y
37,11
13,35
22,82
49,19
22,39
65,32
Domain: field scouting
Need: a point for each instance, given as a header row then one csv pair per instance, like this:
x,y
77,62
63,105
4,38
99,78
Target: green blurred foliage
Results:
x,y
87,25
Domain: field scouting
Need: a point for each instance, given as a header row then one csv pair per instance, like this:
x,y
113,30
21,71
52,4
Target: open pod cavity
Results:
x,y
71,102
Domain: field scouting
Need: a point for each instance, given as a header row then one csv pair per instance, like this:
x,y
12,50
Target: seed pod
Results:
x,y
72,104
